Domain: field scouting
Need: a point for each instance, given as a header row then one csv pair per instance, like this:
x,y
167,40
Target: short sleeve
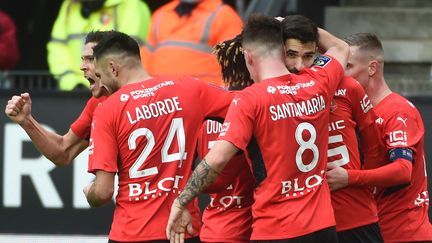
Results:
x,y
81,127
103,147
328,70
215,100
238,125
401,130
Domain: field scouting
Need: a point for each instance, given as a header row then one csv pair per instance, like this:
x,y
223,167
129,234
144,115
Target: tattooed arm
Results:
x,y
201,177
204,175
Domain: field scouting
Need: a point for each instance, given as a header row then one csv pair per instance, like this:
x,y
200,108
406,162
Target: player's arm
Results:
x,y
207,171
333,46
204,175
396,173
101,190
401,134
59,149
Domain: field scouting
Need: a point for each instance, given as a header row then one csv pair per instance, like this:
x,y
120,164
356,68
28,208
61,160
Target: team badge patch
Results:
x,y
322,61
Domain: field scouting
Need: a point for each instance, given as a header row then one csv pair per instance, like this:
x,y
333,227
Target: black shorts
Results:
x,y
191,240
327,235
365,234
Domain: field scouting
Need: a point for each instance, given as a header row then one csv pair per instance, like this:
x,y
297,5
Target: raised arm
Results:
x,y
61,150
333,46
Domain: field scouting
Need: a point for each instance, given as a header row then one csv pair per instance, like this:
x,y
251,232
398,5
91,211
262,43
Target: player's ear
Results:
x,y
114,68
372,67
248,57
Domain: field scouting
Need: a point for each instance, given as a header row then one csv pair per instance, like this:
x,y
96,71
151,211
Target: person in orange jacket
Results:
x,y
181,37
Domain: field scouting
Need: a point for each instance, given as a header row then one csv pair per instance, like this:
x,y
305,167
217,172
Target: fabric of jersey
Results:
x,y
402,210
228,217
82,125
288,116
147,133
351,109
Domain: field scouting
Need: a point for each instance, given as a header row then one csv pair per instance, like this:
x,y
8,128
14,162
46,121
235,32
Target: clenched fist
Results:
x,y
18,108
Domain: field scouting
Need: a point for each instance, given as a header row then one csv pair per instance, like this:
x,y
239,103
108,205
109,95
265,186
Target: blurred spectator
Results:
x,y
76,18
8,44
182,35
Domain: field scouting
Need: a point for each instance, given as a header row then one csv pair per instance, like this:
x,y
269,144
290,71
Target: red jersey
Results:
x,y
286,119
351,109
228,217
403,210
82,126
146,132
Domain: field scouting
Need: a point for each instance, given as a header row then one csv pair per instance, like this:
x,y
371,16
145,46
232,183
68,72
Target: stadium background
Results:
x,y
37,198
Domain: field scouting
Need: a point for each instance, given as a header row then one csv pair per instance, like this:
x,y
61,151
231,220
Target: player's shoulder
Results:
x,y
255,90
395,105
350,88
402,103
323,61
120,97
350,82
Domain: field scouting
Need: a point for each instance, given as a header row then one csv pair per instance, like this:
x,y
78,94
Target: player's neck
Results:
x,y
136,75
271,68
378,91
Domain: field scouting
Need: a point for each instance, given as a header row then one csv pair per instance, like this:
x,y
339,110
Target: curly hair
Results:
x,y
230,56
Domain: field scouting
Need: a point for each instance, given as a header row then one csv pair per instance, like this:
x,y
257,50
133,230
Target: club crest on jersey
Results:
x,y
124,97
321,61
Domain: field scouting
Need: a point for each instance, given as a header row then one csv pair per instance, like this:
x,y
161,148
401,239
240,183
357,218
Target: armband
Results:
x,y
401,153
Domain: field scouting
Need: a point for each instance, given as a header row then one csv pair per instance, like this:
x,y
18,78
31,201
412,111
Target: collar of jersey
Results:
x,y
284,78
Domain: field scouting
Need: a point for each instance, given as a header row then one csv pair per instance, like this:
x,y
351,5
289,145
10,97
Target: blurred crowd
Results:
x,y
176,39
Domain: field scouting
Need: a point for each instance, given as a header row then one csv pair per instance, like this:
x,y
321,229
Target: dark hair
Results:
x,y
230,56
264,31
115,42
95,36
300,28
365,41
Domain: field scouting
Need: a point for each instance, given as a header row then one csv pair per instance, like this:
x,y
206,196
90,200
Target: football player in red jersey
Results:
x,y
146,132
285,117
228,217
61,150
356,220
399,174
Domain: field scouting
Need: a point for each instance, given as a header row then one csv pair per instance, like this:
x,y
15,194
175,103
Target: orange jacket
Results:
x,y
183,45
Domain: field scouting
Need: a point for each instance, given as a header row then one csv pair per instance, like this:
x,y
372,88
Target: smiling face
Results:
x,y
88,68
299,55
